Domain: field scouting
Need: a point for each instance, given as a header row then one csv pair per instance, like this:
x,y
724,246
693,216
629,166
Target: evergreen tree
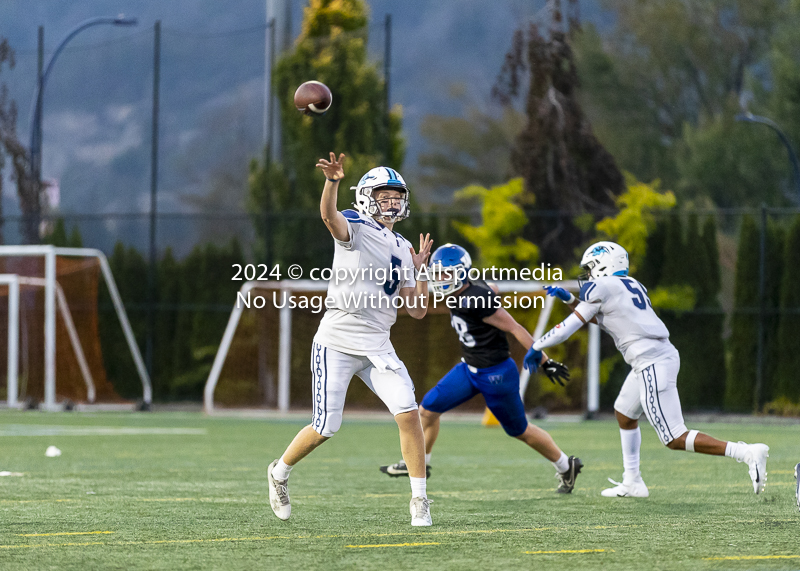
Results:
x,y
129,269
58,235
166,335
651,266
680,269
707,362
788,382
675,270
75,239
331,48
773,267
743,343
204,307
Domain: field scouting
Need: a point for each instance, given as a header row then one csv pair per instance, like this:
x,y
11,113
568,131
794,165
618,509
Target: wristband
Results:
x,y
332,179
571,299
421,276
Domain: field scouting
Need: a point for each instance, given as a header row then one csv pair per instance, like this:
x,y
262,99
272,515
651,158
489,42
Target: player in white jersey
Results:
x,y
353,337
620,306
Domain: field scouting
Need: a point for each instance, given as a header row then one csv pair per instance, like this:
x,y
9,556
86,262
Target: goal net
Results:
x,y
263,358
50,348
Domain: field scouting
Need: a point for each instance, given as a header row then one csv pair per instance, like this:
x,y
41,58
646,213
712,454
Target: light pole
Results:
x,y
36,119
750,118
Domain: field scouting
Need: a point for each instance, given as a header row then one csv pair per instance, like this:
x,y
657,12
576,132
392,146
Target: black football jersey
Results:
x,y
482,345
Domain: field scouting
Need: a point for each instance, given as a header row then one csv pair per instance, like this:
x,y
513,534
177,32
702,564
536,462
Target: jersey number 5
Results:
x,y
639,300
394,277
462,329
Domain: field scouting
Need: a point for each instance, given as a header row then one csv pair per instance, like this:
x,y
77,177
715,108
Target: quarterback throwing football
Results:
x,y
619,304
353,336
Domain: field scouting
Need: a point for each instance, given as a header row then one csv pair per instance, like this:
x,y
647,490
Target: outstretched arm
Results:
x,y
560,332
555,371
333,219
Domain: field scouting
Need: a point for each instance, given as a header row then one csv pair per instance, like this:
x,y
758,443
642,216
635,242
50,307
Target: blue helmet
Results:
x,y
449,266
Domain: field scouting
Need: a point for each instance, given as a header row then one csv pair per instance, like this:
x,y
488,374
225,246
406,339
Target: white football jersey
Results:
x,y
360,311
623,310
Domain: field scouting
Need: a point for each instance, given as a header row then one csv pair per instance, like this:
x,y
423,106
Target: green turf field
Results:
x,y
183,491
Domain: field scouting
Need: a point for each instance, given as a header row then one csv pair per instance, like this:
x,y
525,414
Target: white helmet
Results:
x,y
605,259
381,178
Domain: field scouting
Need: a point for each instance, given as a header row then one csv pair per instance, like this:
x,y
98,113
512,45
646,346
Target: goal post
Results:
x,y
55,304
282,337
12,281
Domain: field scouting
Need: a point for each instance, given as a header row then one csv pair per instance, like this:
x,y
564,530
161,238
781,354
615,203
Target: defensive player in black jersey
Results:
x,y
486,367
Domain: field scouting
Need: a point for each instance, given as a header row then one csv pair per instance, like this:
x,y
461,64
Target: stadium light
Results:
x,y
36,118
750,118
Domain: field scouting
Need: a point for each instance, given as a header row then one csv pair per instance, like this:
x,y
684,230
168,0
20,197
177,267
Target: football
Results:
x,y
313,98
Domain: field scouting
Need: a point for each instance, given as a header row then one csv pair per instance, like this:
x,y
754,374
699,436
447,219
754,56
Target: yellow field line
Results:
x,y
336,536
749,557
82,544
31,501
63,533
569,551
391,545
151,542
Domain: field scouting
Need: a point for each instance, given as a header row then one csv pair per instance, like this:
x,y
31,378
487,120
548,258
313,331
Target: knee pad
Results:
x,y
328,424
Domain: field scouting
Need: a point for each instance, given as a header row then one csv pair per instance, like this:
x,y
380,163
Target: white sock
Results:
x,y
562,464
736,450
418,487
428,459
281,470
631,443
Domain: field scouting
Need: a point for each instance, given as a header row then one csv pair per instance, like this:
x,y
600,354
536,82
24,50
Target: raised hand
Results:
x,y
333,169
425,244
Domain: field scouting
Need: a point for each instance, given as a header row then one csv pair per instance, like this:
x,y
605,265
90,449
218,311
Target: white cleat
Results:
x,y
634,489
279,494
797,489
756,459
421,512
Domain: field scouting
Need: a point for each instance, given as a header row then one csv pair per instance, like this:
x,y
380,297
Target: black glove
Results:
x,y
556,371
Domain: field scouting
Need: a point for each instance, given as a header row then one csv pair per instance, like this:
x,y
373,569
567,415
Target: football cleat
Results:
x,y
566,480
634,489
279,494
400,469
420,512
797,489
756,459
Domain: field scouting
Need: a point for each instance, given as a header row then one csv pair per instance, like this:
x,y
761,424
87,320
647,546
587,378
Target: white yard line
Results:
x,y
55,430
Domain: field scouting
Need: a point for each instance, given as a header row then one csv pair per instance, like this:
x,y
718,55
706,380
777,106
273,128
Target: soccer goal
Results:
x,y
262,360
52,339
